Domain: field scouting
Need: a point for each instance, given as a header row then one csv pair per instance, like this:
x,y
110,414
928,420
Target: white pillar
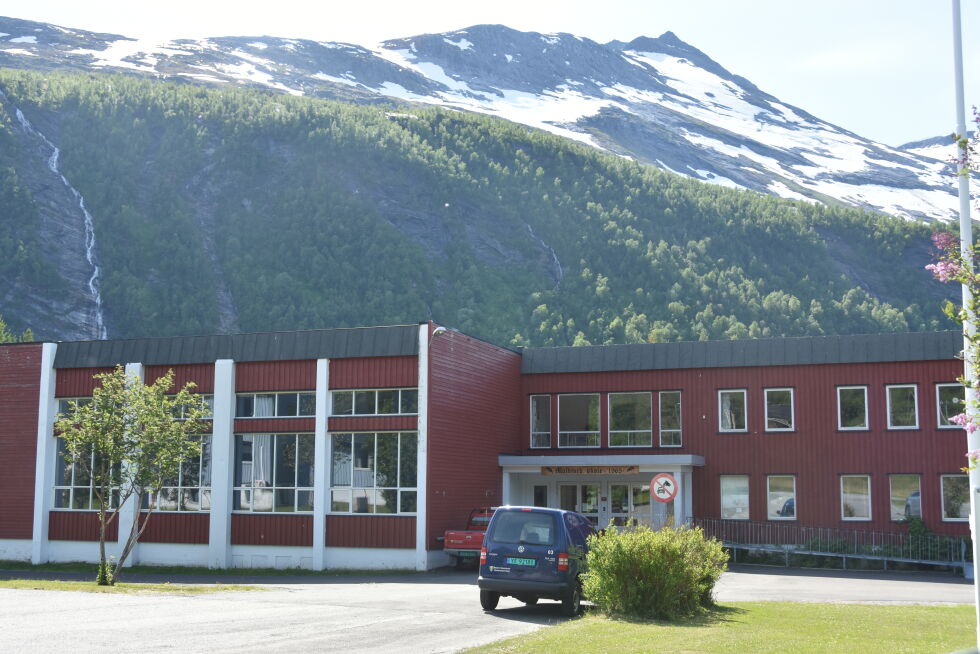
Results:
x,y
130,510
421,553
505,491
222,464
47,452
321,499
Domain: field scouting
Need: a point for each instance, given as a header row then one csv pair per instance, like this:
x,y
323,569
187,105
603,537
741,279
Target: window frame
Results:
x,y
353,391
792,408
71,487
611,431
398,488
840,407
180,487
942,496
782,518
870,516
236,489
532,414
888,407
748,496
745,410
275,404
598,416
939,421
680,419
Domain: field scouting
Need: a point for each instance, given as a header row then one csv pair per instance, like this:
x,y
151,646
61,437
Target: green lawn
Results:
x,y
122,587
190,570
756,627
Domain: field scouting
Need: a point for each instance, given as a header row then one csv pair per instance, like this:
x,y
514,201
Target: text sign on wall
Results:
x,y
589,470
663,488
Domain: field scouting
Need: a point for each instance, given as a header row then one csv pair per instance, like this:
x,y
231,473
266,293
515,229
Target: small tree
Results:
x,y
7,336
130,439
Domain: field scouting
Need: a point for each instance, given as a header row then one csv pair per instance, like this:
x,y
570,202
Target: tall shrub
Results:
x,y
662,574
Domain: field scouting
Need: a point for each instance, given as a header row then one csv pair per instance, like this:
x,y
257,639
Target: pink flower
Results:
x,y
973,455
959,419
944,240
944,271
971,427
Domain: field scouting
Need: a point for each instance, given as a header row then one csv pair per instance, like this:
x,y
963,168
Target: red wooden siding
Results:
x,y
273,425
371,531
252,529
474,392
79,525
77,382
374,423
374,372
275,376
201,374
20,380
177,528
816,453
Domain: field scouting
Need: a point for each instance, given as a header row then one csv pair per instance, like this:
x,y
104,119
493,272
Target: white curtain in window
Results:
x,y
265,406
262,460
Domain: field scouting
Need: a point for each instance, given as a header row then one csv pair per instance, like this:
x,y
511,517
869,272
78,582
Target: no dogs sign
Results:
x,y
663,488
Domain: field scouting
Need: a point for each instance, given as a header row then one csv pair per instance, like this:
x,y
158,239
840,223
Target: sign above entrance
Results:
x,y
663,488
589,470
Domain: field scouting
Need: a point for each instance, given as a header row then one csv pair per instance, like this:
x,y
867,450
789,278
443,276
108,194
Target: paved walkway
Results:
x,y
437,611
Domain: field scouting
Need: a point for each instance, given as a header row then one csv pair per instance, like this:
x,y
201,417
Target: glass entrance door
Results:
x,y
582,498
629,504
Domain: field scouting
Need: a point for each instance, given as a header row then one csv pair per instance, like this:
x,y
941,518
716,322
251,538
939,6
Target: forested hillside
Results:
x,y
237,210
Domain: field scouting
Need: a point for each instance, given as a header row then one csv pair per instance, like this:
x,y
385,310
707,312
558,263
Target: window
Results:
x,y
779,409
670,419
852,407
208,400
735,497
67,404
906,499
275,405
190,490
781,497
386,401
374,472
73,488
903,406
273,473
950,401
956,497
855,497
540,421
540,495
731,410
578,420
629,420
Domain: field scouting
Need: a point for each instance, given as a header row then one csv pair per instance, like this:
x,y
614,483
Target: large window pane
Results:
x,y
304,460
265,406
343,403
629,419
409,401
364,402
956,497
905,497
902,407
287,404
855,497
285,461
578,420
670,419
781,497
540,421
852,407
731,410
735,497
307,404
364,460
408,460
340,472
950,401
387,467
244,406
387,402
779,409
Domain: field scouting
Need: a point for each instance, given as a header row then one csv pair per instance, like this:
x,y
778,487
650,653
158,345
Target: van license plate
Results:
x,y
513,560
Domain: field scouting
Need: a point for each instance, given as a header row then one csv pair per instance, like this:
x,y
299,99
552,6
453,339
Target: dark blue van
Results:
x,y
532,552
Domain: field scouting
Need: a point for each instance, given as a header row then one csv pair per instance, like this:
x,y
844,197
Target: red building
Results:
x,y
359,447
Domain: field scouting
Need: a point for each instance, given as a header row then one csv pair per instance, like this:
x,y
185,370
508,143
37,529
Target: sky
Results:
x,y
880,68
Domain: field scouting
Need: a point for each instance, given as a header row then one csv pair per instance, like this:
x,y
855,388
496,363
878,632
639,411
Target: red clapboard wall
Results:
x,y
79,525
252,529
176,528
201,374
20,380
371,531
374,372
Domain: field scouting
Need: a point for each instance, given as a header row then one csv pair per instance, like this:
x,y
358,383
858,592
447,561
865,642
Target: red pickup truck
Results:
x,y
464,544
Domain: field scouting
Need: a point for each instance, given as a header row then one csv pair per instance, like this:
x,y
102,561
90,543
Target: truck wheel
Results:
x,y
489,599
571,603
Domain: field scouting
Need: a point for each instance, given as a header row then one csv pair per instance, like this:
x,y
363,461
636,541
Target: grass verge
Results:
x,y
191,570
124,587
761,627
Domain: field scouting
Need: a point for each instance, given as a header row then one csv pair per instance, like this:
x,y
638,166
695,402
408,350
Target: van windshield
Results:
x,y
524,527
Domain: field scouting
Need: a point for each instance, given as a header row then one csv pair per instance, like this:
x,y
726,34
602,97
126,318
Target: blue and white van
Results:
x,y
533,552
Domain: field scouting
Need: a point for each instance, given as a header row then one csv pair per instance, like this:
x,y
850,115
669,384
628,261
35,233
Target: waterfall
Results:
x,y
557,274
95,279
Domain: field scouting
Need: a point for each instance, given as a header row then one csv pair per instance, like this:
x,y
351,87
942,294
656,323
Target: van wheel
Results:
x,y
571,603
489,599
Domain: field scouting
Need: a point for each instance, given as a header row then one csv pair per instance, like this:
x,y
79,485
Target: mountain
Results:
x,y
137,207
659,101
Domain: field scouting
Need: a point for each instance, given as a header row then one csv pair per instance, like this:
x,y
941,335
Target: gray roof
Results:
x,y
266,346
860,348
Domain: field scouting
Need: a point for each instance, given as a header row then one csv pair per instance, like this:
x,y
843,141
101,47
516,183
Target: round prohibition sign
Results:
x,y
663,488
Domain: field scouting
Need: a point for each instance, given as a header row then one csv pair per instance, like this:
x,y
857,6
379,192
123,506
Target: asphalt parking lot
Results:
x,y
437,611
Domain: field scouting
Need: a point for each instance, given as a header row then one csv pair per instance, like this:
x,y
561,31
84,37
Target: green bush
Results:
x,y
661,574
